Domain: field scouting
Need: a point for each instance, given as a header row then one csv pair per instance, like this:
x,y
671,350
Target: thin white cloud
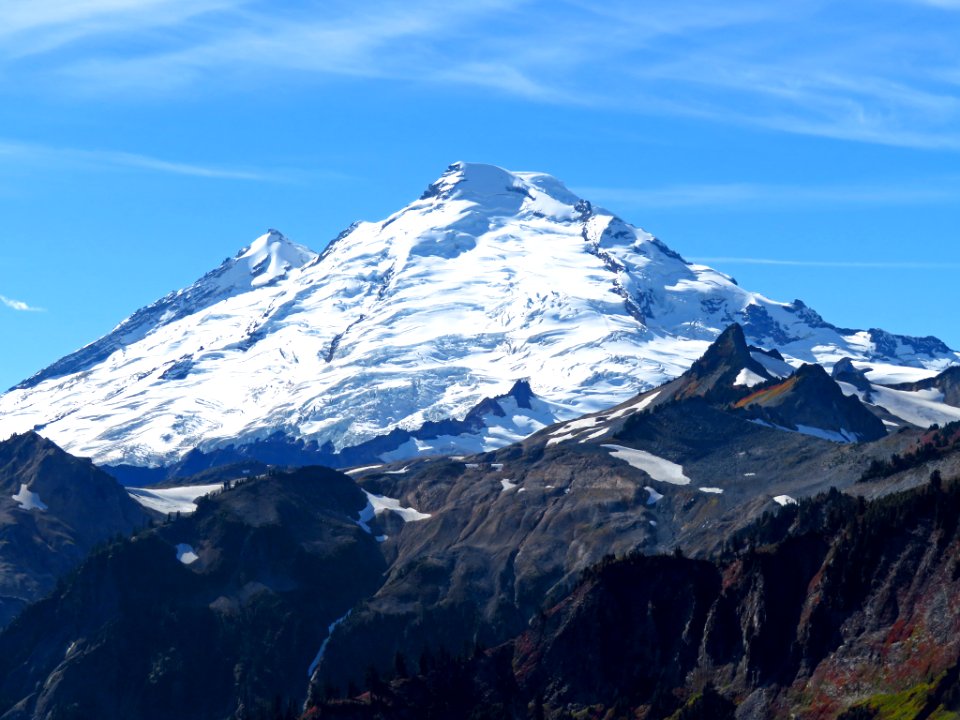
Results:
x,y
753,195
386,39
831,94
115,159
852,264
18,305
768,65
43,26
944,4
146,162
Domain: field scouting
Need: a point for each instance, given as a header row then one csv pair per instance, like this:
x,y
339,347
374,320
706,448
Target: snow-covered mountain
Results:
x,y
490,277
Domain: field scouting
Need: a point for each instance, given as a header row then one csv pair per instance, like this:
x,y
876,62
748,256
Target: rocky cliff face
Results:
x,y
54,509
207,616
831,608
315,578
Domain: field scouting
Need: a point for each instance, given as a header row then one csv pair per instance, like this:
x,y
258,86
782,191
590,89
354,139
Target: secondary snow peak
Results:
x,y
271,256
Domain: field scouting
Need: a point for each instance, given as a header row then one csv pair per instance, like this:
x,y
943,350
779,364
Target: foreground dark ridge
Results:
x,y
833,608
297,581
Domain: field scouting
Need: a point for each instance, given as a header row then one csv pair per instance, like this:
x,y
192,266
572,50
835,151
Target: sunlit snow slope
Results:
x,y
488,278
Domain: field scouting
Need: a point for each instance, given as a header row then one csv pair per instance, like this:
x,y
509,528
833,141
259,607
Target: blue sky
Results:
x,y
810,149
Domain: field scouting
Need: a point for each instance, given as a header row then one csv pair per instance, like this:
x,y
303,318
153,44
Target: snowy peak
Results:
x,y
271,256
500,192
726,368
410,322
266,260
723,374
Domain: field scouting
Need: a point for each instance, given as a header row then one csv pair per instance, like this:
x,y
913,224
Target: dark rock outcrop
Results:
x,y
54,508
139,632
811,399
832,608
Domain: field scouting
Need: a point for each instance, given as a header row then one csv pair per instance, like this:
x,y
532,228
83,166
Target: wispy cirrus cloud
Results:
x,y
237,44
115,159
43,26
837,70
18,305
944,4
931,191
840,264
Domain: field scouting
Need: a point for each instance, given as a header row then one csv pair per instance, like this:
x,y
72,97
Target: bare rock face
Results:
x,y
314,580
54,509
810,401
830,609
210,615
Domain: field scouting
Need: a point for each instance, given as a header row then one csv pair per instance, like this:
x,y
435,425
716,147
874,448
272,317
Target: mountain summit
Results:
x,y
488,278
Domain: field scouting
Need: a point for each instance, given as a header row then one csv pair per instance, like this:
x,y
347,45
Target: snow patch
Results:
x,y
843,436
29,500
185,554
377,504
507,484
654,495
656,467
784,500
172,500
636,407
595,435
577,425
777,368
922,408
354,471
748,378
712,490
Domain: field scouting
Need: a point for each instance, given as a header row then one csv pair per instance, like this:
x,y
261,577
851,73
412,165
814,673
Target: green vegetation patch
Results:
x,y
912,704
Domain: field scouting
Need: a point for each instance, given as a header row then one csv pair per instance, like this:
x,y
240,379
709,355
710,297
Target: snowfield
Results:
x,y
378,504
28,500
922,407
656,467
489,278
172,500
